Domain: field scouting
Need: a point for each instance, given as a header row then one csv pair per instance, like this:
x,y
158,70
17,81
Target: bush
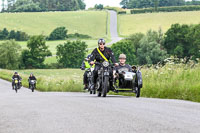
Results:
x,y
167,9
37,52
18,36
80,36
10,55
71,53
98,6
122,12
125,47
59,33
117,9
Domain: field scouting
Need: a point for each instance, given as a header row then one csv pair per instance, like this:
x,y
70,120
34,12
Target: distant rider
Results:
x,y
16,75
32,77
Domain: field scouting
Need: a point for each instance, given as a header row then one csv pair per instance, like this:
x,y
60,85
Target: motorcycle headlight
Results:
x,y
105,64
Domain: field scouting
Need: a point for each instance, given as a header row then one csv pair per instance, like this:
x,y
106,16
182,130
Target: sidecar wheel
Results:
x,y
137,89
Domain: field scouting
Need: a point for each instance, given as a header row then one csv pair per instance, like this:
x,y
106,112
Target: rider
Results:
x,y
122,64
107,52
16,75
85,66
123,67
31,77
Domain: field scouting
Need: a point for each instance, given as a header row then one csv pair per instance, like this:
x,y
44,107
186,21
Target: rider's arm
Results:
x,y
83,66
112,56
93,55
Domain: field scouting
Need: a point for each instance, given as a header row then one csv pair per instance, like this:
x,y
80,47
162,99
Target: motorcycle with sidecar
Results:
x,y
126,81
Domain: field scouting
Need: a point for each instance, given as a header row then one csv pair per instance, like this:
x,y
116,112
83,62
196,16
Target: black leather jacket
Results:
x,y
107,53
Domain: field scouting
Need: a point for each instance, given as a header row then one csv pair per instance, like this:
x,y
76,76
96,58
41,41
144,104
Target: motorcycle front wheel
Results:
x,y
105,86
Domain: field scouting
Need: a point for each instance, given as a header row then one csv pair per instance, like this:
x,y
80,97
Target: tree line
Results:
x,y
166,9
17,35
155,3
42,5
59,33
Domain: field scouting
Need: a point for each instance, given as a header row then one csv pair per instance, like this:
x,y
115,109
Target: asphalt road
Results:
x,y
53,112
113,28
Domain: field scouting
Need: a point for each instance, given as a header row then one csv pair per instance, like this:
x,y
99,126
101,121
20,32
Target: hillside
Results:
x,y
129,24
83,22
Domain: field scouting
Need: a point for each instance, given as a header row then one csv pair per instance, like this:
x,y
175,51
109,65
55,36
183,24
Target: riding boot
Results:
x,y
85,87
92,87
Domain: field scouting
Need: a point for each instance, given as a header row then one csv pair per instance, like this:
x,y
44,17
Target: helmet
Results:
x,y
122,56
15,73
31,74
101,41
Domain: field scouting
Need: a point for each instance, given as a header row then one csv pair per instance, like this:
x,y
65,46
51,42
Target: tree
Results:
x,y
45,5
150,50
10,55
194,41
82,5
71,53
98,6
151,3
4,34
135,40
125,47
59,33
124,3
21,36
37,52
26,6
11,34
176,41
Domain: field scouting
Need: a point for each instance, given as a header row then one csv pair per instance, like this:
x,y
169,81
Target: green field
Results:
x,y
92,23
52,44
129,24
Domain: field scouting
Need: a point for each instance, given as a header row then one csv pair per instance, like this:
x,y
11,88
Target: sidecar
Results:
x,y
129,82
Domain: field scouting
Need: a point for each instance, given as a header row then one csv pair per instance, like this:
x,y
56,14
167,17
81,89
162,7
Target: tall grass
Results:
x,y
62,80
172,82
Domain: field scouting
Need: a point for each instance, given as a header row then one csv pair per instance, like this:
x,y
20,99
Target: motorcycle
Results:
x,y
102,83
89,77
16,84
128,81
32,85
